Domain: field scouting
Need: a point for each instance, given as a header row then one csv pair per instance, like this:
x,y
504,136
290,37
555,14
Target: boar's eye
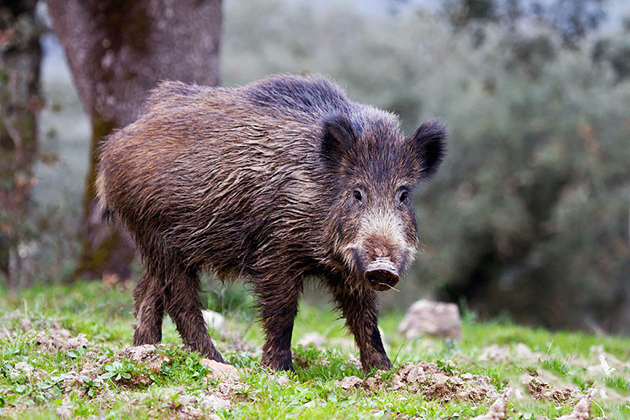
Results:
x,y
357,195
403,196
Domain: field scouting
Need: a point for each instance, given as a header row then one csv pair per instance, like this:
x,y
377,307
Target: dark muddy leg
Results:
x,y
148,299
361,313
184,307
278,303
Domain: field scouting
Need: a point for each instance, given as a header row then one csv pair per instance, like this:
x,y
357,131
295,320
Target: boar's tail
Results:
x,y
107,215
106,212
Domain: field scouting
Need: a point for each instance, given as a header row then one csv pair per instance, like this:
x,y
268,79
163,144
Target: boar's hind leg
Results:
x,y
361,313
184,307
149,310
278,304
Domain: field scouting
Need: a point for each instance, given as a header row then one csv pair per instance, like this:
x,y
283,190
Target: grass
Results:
x,y
61,357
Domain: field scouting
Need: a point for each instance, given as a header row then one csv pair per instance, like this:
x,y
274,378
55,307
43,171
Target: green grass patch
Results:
x,y
44,376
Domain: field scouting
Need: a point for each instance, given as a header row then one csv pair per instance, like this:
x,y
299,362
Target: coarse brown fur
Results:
x,y
279,181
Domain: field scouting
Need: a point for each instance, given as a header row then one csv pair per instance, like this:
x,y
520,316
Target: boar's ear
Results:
x,y
428,145
338,136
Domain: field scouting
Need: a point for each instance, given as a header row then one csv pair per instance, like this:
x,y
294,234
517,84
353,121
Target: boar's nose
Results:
x,y
382,274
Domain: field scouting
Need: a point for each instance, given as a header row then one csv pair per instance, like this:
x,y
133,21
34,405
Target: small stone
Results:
x,y
24,367
524,352
282,380
214,320
219,370
436,319
312,339
344,344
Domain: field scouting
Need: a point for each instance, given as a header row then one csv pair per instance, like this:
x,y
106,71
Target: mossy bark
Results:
x,y
118,50
105,250
20,56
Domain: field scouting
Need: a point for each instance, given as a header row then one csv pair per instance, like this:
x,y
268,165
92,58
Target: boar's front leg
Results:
x,y
277,301
359,307
184,307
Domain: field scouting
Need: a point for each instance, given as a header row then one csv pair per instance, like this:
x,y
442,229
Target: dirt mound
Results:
x,y
541,390
498,409
58,339
119,369
427,379
582,410
47,333
146,354
520,352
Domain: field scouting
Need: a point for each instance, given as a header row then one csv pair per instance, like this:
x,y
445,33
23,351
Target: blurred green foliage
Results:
x,y
528,217
529,214
571,19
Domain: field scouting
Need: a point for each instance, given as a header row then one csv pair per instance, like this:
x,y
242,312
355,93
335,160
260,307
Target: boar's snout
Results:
x,y
382,274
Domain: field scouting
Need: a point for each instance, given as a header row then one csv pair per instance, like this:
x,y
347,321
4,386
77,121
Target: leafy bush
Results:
x,y
529,213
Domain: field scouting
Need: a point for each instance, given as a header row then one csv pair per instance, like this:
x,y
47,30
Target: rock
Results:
x,y
312,339
213,320
282,380
219,370
318,341
432,318
525,353
24,367
346,344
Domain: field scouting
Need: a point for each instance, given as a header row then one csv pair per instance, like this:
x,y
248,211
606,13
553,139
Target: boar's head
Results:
x,y
374,169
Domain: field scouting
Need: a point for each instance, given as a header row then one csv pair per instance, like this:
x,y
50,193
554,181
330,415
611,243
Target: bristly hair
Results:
x,y
298,94
239,181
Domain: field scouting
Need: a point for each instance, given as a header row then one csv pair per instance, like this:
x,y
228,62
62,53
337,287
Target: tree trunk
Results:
x,y
20,56
117,51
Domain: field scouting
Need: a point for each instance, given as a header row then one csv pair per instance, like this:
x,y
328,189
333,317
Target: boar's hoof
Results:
x,y
382,278
279,361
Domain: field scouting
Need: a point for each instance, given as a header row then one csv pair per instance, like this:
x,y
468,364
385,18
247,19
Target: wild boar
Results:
x,y
277,182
